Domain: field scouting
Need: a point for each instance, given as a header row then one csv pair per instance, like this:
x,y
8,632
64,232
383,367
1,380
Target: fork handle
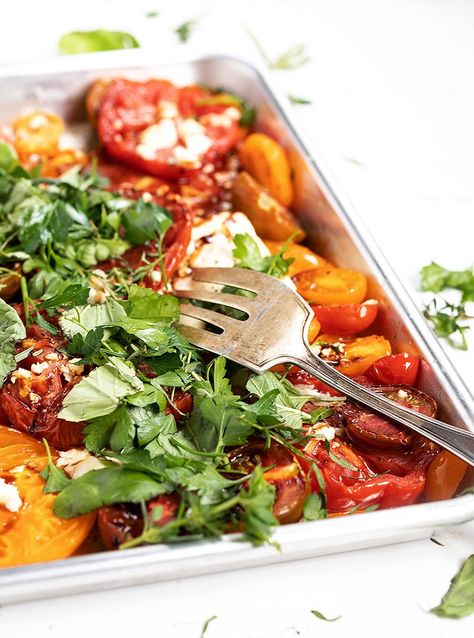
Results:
x,y
459,442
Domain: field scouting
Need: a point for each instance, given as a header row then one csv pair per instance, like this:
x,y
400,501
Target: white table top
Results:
x,y
392,111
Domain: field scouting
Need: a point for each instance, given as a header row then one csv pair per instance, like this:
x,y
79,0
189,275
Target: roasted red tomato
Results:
x,y
182,404
348,319
395,369
369,428
300,377
169,504
350,483
285,474
119,523
33,395
162,130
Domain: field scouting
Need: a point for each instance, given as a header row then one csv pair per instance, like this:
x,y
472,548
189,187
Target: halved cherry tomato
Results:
x,y
266,160
374,430
271,219
444,475
9,285
348,319
326,286
160,129
395,369
353,356
182,404
303,257
347,487
34,533
37,133
286,475
300,377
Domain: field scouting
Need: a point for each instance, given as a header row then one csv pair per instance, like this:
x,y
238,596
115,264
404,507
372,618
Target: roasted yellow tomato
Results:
x,y
63,161
353,356
266,160
270,218
303,258
324,286
37,133
33,533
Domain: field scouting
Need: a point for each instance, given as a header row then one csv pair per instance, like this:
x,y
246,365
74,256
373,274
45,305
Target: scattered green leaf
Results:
x,y
458,601
99,40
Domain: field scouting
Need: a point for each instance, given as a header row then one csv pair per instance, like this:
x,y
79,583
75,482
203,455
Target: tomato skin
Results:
x,y
355,356
395,369
348,319
328,286
118,524
297,376
182,405
444,475
359,487
290,482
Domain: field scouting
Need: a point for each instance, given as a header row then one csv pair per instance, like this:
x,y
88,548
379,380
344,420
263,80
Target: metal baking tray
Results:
x,y
335,231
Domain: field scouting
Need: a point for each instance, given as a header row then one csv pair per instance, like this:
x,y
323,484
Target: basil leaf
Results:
x,y
11,331
99,393
458,601
99,40
105,487
82,319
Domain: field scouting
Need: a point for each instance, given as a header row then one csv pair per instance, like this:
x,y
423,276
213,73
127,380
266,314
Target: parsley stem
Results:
x,y
26,300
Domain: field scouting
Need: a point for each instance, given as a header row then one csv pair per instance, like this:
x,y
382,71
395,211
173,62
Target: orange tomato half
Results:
x,y
444,475
357,355
266,161
324,286
303,257
37,133
33,534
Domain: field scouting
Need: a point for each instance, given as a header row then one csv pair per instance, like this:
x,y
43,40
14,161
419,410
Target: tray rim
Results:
x,y
421,516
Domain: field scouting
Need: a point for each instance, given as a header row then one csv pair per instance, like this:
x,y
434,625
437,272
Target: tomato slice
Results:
x,y
119,523
326,286
395,369
348,319
369,428
34,533
285,474
159,129
358,486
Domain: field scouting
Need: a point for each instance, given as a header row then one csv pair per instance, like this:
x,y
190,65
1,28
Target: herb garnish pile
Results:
x,y
54,233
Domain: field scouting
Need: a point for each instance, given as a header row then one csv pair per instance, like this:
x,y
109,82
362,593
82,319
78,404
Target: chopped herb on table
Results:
x,y
295,99
185,30
458,601
293,58
321,616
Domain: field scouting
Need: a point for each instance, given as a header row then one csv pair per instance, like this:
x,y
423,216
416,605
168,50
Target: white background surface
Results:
x,y
392,90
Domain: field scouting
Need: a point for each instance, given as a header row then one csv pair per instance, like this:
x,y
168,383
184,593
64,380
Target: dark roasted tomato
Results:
x,y
285,474
119,524
162,130
348,319
33,395
350,482
297,376
369,428
395,369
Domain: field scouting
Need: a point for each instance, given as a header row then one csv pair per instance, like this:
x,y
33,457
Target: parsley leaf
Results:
x,y
87,345
291,59
446,322
144,222
66,296
55,477
206,625
436,278
313,509
294,99
184,31
257,501
99,40
458,601
247,254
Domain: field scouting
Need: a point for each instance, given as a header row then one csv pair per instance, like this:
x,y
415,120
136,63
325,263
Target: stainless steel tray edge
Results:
x,y
98,571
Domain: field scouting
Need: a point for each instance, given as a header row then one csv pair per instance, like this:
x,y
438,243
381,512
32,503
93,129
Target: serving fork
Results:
x,y
273,330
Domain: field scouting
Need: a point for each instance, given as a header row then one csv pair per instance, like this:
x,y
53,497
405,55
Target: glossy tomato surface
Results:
x,y
349,319
395,369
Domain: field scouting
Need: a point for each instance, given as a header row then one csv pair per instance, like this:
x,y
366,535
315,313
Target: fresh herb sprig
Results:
x,y
293,58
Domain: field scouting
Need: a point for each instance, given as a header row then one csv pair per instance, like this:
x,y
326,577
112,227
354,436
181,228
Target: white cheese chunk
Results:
x,y
9,496
157,137
76,462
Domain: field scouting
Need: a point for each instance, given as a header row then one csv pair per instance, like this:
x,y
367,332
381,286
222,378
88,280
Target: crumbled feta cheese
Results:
x,y
156,137
38,368
402,394
184,157
198,144
322,431
71,370
52,356
9,496
34,398
189,127
167,109
76,462
37,121
22,373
